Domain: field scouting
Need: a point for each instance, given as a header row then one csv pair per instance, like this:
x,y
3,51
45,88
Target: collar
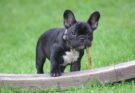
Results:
x,y
65,34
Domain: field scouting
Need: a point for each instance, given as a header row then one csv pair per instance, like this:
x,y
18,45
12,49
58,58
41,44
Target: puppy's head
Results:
x,y
80,34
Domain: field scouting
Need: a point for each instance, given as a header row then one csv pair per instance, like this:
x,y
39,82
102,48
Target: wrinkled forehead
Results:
x,y
83,26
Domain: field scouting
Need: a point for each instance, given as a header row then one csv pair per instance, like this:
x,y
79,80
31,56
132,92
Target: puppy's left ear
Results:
x,y
93,20
69,18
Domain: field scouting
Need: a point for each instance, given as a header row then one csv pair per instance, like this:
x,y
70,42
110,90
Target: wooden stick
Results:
x,y
89,59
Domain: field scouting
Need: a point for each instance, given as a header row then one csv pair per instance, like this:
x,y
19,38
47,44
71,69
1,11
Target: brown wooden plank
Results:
x,y
108,74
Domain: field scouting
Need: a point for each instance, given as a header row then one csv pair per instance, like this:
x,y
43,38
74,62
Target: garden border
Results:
x,y
109,74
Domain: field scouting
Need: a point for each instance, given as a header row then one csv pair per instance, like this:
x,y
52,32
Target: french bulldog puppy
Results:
x,y
65,46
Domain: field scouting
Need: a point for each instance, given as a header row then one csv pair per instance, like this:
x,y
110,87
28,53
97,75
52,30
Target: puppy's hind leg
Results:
x,y
40,59
40,64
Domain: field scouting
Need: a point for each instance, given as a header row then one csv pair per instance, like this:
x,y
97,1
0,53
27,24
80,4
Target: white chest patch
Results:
x,y
70,57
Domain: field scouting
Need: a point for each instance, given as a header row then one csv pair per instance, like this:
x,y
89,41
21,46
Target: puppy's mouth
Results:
x,y
84,45
81,47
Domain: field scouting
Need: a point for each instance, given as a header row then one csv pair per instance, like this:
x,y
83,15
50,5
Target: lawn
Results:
x,y
23,21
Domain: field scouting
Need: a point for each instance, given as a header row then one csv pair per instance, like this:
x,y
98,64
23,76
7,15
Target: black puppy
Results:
x,y
64,46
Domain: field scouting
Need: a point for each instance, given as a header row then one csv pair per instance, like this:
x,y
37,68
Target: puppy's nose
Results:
x,y
81,39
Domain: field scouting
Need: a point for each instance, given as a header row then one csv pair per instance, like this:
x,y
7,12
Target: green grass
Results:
x,y
23,21
123,87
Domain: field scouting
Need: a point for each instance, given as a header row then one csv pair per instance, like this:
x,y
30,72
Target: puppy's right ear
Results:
x,y
69,18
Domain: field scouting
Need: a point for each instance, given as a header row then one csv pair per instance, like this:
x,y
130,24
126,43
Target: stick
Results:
x,y
89,59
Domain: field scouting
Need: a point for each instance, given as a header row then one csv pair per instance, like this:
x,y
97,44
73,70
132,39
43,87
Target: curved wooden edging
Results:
x,y
108,74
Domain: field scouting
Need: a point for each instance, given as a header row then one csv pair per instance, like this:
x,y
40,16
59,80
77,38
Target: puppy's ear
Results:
x,y
69,18
93,20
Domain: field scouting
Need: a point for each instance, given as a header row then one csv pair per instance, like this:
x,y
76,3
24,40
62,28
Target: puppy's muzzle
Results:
x,y
82,40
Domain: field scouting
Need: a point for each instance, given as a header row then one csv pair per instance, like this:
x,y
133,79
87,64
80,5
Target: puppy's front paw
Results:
x,y
55,74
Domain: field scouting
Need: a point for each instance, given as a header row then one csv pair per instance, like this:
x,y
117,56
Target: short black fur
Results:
x,y
56,48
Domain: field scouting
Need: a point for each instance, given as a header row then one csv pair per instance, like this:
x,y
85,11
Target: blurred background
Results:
x,y
23,21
